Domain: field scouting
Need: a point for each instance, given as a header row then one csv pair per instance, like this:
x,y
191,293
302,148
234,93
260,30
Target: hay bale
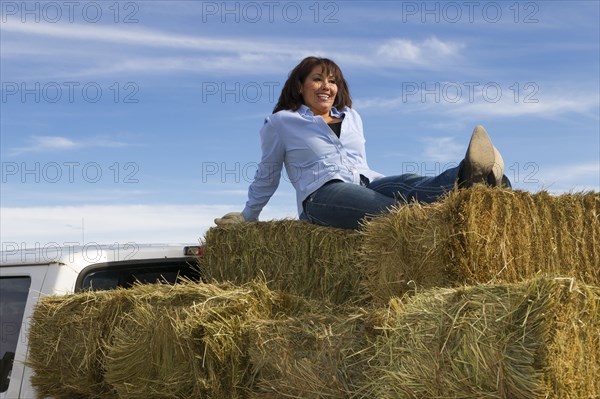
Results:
x,y
538,339
150,341
148,358
187,341
319,354
199,340
482,235
67,343
293,256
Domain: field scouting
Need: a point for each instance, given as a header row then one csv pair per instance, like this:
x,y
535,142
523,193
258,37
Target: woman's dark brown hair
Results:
x,y
290,97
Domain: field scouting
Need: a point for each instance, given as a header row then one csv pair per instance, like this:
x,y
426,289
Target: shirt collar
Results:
x,y
304,110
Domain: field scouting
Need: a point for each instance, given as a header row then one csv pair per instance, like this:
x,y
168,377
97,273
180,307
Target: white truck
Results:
x,y
26,275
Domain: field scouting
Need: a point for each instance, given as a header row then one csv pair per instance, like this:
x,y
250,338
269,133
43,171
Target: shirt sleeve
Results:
x,y
268,174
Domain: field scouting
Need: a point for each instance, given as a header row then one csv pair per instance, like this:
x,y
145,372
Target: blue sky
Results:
x,y
138,121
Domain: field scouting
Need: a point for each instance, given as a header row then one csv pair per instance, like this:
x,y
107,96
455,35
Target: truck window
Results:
x,y
13,298
111,275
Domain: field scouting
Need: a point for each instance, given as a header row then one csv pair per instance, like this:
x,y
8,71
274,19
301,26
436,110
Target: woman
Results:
x,y
317,135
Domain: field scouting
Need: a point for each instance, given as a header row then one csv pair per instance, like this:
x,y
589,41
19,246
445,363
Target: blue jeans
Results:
x,y
340,204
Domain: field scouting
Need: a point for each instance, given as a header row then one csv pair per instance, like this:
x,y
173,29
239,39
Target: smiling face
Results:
x,y
319,91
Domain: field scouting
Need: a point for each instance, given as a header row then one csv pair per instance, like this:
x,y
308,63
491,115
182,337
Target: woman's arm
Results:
x,y
268,174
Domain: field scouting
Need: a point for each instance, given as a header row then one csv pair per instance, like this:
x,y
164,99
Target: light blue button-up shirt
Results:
x,y
312,155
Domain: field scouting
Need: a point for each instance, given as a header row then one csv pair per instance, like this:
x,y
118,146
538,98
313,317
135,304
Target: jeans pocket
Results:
x,y
307,204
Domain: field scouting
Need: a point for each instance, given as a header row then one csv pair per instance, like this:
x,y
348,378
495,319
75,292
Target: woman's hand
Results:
x,y
230,218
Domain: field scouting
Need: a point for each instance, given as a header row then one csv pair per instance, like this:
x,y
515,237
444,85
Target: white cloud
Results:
x,y
212,64
81,47
570,176
443,149
121,36
439,47
149,38
61,143
52,143
377,103
400,49
428,53
458,104
107,224
548,106
558,178
95,50
578,171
